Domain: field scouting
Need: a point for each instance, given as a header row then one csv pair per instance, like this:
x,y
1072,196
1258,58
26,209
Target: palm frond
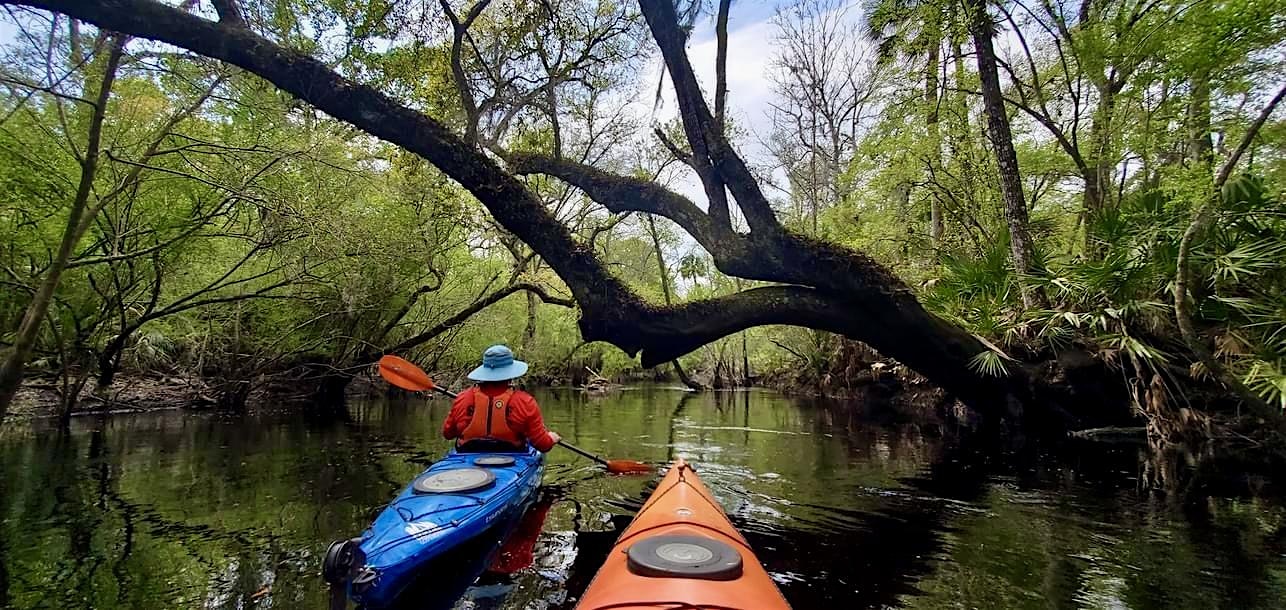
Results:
x,y
989,363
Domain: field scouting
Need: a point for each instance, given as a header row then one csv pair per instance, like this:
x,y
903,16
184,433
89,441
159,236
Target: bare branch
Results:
x,y
621,194
721,65
229,12
459,30
477,306
1251,132
679,154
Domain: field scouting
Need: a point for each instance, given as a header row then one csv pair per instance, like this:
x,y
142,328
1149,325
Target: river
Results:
x,y
177,509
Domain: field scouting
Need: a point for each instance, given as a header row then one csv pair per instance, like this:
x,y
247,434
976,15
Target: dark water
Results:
x,y
183,510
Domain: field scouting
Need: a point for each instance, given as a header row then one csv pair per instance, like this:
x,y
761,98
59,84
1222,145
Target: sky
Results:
x,y
8,32
750,37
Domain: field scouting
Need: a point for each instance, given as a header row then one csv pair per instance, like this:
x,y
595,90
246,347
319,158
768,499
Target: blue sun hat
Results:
x,y
498,364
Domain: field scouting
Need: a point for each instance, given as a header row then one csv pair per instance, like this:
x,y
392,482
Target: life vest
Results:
x,y
489,419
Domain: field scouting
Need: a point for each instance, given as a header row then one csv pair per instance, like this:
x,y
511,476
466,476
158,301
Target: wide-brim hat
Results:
x,y
498,364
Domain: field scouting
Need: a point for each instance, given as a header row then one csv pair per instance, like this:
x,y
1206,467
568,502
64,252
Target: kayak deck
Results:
x,y
682,551
430,517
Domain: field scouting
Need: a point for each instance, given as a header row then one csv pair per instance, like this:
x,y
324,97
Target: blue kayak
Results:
x,y
452,502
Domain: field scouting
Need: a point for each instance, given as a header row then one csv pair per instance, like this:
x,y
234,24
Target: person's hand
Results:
x,y
555,436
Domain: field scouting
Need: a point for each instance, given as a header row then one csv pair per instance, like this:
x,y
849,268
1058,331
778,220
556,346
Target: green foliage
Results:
x,y
1120,302
264,238
989,363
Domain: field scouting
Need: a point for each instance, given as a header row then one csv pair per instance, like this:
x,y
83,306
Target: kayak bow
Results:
x,y
682,552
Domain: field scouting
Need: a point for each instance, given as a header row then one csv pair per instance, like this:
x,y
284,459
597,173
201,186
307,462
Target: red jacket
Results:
x,y
524,415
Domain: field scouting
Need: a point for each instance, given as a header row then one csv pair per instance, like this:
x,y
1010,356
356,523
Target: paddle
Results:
x,y
407,376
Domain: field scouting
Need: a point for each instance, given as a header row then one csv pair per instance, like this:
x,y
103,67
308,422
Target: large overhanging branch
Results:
x,y
620,194
667,333
779,256
866,301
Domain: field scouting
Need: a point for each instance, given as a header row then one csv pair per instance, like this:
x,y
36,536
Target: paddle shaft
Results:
x,y
583,452
445,391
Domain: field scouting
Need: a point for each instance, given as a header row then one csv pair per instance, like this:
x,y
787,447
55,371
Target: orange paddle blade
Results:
x,y
627,467
404,375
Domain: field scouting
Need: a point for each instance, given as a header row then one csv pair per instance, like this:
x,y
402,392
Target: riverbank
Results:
x,y
41,397
132,392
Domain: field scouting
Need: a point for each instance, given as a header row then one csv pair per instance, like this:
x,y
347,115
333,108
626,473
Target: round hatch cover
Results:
x,y
494,460
684,557
453,481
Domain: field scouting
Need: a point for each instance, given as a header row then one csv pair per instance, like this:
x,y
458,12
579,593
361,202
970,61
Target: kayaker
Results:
x,y
492,416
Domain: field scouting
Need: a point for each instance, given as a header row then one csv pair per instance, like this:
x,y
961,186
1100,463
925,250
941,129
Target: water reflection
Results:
x,y
183,510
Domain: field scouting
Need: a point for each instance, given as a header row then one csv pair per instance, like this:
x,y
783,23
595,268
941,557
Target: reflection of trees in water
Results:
x,y
76,513
674,416
4,555
1238,540
882,550
199,477
170,509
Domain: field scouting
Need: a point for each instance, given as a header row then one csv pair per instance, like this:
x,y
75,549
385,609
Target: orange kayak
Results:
x,y
682,552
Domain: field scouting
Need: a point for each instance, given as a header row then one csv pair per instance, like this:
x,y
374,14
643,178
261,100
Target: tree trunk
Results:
x,y
15,359
109,360
812,174
721,63
931,122
1098,182
745,362
1200,146
1002,142
529,333
1183,311
1097,173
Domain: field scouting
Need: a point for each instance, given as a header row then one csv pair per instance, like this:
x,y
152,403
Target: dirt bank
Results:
x,y
44,396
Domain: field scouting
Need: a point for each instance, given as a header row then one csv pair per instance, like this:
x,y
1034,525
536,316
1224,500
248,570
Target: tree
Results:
x,y
814,283
82,213
983,31
663,273
916,29
826,86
